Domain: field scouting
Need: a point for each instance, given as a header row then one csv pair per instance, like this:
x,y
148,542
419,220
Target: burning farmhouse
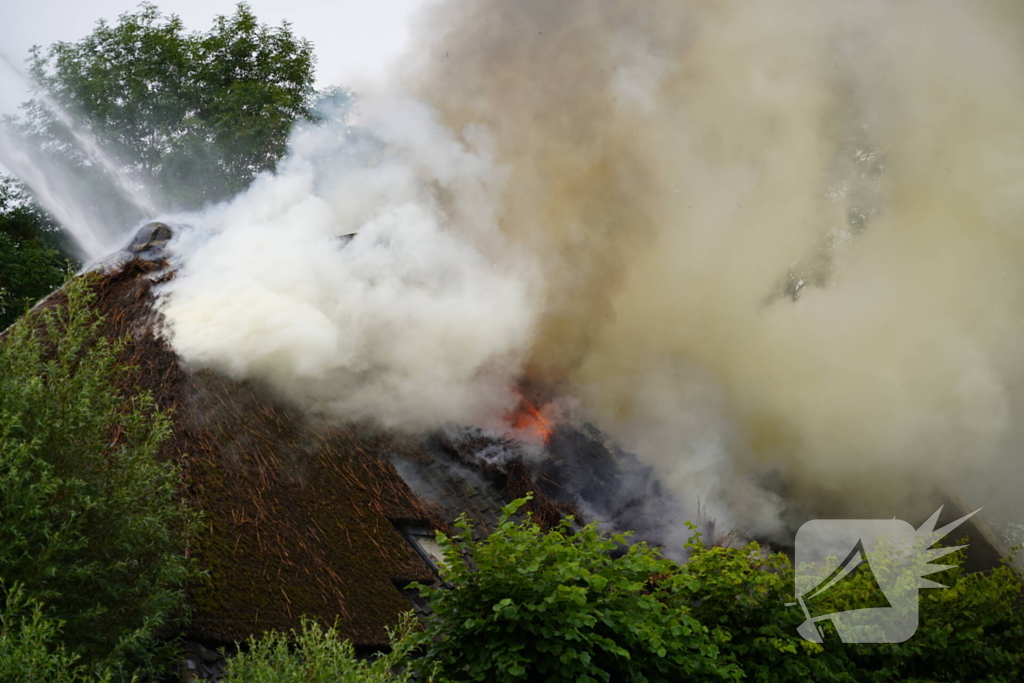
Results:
x,y
329,519
309,516
788,287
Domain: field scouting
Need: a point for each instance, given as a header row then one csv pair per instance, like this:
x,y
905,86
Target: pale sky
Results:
x,y
353,39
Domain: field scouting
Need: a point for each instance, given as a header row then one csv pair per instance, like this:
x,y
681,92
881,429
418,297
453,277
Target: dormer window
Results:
x,y
423,540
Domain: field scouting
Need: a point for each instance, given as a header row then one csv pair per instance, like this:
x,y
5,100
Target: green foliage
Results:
x,y
29,645
30,264
971,631
318,655
528,606
90,522
743,592
196,114
525,605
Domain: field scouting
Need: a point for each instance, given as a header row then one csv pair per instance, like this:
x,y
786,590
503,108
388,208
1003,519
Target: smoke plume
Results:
x,y
343,283
759,241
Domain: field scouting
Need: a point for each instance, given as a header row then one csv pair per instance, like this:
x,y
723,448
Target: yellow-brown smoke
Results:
x,y
804,213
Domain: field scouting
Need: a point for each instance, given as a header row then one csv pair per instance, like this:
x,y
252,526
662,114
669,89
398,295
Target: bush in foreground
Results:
x,y
318,655
529,605
971,631
526,605
91,525
29,645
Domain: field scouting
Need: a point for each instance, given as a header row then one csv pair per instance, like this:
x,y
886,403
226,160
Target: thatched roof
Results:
x,y
301,517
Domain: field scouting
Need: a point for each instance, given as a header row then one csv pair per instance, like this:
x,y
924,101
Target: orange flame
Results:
x,y
530,420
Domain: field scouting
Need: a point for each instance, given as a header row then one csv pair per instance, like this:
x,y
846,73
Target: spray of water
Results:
x,y
54,187
53,195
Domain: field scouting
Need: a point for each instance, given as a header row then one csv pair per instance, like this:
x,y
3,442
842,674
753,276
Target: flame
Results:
x,y
531,421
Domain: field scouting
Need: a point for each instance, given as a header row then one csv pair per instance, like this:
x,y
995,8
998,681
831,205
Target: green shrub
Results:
x,y
532,606
318,655
971,631
525,605
90,522
30,649
743,592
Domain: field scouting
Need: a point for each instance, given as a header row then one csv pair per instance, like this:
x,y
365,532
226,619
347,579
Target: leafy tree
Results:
x,y
31,265
531,606
91,524
318,655
197,115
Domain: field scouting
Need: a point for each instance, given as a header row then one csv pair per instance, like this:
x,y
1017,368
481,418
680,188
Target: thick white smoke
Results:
x,y
422,317
755,239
